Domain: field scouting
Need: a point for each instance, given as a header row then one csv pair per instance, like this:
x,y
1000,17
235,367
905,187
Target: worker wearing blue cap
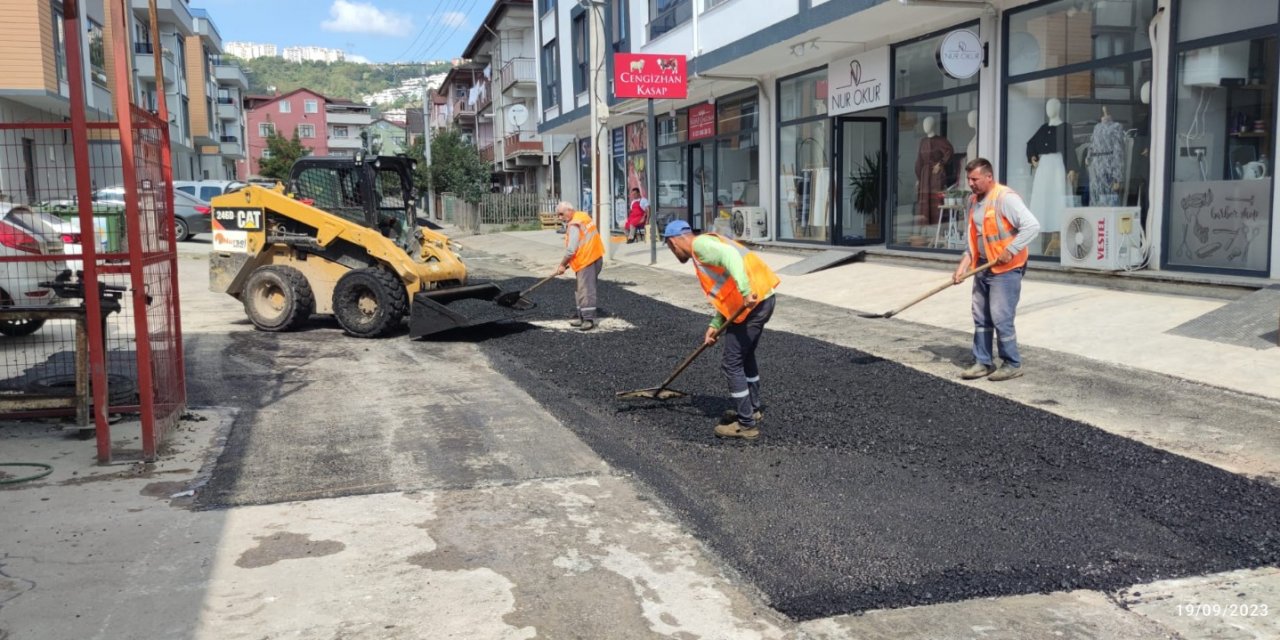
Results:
x,y
740,286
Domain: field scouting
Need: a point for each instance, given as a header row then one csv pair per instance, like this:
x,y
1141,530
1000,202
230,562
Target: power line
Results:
x,y
429,21
466,13
438,27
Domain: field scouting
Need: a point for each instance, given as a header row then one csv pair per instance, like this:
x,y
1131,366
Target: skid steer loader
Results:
x,y
343,240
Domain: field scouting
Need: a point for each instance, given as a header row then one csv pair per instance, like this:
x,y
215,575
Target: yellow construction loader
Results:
x,y
342,238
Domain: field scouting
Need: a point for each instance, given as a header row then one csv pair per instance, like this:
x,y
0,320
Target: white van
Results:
x,y
206,189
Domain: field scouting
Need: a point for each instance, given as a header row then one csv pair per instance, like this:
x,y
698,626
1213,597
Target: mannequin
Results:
x,y
971,151
931,176
1106,162
1051,152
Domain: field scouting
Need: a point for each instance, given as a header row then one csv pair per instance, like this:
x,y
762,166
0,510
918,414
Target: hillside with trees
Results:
x,y
348,80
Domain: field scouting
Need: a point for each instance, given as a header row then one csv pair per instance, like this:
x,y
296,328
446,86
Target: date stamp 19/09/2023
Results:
x,y
1214,610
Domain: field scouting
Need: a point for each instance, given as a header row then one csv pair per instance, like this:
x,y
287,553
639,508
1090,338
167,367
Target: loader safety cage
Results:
x,y
112,258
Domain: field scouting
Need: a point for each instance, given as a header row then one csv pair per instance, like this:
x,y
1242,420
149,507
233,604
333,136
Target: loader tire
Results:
x,y
278,298
370,303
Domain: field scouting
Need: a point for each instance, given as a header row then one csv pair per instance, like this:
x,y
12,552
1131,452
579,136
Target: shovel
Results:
x,y
510,298
939,288
661,392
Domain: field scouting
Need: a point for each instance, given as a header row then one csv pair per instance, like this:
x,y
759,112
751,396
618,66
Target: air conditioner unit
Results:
x,y
1101,238
750,223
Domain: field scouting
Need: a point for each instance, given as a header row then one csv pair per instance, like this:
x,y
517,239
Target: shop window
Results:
x,y
916,68
673,197
804,96
1222,149
935,139
1063,33
673,128
1078,139
805,190
1206,18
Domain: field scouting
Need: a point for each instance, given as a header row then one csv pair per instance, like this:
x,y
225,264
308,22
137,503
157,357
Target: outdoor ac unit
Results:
x,y
1102,238
750,223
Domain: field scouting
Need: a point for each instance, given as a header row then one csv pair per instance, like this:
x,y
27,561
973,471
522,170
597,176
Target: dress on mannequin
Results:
x,y
931,173
971,150
1051,152
1106,162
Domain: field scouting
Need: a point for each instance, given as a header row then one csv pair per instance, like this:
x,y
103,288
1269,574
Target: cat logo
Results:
x,y
238,219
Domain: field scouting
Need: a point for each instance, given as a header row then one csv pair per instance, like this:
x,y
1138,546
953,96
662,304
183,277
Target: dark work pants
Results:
x,y
739,361
586,294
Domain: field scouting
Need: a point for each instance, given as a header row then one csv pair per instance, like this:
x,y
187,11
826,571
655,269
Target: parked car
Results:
x,y
47,225
191,214
206,189
20,281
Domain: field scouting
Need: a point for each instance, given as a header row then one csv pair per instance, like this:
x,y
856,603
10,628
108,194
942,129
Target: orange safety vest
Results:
x,y
723,291
590,247
997,234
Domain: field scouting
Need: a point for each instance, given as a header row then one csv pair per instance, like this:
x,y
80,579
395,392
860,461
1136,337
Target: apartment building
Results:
x,y
387,138
849,122
251,50
214,87
326,126
504,45
313,54
464,89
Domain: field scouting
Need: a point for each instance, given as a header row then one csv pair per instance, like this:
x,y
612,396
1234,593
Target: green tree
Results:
x,y
283,152
456,166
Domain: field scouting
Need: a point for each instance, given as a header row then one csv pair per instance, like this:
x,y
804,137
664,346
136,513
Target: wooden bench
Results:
x,y
549,220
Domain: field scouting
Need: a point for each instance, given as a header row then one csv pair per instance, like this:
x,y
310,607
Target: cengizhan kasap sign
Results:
x,y
649,75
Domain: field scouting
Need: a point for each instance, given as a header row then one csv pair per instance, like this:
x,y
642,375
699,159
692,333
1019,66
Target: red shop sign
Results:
x,y
649,75
702,121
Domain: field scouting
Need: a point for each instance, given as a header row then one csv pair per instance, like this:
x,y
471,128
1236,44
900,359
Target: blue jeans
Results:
x,y
995,301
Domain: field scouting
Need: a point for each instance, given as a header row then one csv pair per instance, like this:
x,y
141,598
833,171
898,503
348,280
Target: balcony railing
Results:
x,y
226,100
462,108
513,146
486,152
228,139
516,70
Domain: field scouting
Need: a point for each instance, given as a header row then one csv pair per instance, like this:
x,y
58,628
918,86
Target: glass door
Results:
x,y
702,199
860,183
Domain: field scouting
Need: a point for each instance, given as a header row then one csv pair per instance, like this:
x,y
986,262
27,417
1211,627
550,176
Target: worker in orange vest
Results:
x,y
733,278
1001,227
584,253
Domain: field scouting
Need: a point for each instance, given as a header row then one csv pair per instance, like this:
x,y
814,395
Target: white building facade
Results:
x,y
250,50
849,122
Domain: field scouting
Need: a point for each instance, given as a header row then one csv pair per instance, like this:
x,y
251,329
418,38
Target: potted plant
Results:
x,y
864,185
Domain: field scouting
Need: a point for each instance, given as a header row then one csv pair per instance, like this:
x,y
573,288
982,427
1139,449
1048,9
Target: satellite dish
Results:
x,y
517,114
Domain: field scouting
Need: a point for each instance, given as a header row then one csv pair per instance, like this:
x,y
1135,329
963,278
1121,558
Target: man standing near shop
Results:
x,y
733,279
1000,229
584,253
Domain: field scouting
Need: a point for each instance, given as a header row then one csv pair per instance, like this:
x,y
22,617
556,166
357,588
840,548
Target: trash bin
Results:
x,y
108,222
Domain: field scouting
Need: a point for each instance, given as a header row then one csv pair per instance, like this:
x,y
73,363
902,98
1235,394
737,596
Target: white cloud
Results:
x,y
453,19
351,57
362,17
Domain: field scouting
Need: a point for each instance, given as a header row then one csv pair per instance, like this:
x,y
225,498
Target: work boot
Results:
x,y
575,321
730,416
978,370
586,325
736,430
1005,372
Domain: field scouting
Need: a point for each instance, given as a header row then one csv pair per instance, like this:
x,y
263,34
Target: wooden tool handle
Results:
x,y
941,287
537,284
703,347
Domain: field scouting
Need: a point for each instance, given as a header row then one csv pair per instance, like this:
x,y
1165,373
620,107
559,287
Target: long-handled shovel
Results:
x,y
510,298
939,288
661,392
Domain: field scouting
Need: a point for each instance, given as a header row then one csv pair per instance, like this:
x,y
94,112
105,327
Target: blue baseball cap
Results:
x,y
675,228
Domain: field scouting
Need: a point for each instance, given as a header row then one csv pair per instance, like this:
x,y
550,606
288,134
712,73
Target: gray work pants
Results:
x,y
739,361
586,294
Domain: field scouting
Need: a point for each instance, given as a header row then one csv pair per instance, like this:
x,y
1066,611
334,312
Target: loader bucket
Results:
x,y
456,307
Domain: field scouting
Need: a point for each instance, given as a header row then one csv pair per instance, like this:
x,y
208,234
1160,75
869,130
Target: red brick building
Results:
x,y
301,110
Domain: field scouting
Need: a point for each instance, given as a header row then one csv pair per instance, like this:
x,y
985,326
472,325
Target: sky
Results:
x,y
368,30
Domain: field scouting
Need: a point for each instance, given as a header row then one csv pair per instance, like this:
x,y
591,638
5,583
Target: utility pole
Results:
x,y
426,148
599,113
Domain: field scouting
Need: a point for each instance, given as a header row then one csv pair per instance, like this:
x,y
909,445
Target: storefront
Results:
x,y
1219,209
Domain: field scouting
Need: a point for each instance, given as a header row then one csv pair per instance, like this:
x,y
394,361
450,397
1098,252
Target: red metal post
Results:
x,y
166,170
84,197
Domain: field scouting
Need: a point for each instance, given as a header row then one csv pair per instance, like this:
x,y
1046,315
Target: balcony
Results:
x,y
168,12
521,144
515,71
345,142
230,146
228,110
358,118
144,62
486,152
463,110
230,74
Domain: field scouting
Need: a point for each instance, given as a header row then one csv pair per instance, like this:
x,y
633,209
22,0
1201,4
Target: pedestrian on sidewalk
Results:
x,y
732,277
637,214
1000,229
584,253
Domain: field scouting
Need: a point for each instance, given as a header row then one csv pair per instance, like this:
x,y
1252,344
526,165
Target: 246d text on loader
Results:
x,y
344,239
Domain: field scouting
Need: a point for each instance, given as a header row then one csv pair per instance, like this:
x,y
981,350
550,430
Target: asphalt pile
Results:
x,y
873,485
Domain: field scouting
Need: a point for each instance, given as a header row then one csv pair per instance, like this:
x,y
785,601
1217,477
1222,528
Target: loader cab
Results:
x,y
375,192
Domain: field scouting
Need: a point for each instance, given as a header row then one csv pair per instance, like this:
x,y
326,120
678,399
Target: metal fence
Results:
x,y
496,211
88,276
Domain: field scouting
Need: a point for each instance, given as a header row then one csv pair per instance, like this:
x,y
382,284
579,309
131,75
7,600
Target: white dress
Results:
x,y
1049,192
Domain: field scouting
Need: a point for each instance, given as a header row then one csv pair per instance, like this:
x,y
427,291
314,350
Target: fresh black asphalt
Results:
x,y
874,485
